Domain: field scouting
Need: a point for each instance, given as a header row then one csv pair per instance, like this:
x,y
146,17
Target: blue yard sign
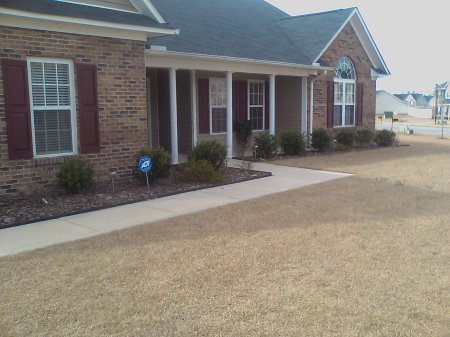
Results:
x,y
145,164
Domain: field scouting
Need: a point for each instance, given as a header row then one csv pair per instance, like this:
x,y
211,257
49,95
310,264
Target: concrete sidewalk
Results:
x,y
42,234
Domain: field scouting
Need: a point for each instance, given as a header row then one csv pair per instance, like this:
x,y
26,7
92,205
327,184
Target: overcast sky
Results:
x,y
413,37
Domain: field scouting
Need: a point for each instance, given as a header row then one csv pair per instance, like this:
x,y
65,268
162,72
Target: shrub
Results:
x,y
292,143
364,137
211,151
244,136
384,137
345,138
160,168
202,171
75,175
265,145
321,140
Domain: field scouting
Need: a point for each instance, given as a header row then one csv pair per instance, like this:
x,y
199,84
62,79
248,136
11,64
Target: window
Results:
x,y
344,93
218,105
256,104
52,106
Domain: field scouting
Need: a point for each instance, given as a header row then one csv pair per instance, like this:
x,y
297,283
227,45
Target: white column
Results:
x,y
311,108
194,107
173,115
272,105
229,114
304,113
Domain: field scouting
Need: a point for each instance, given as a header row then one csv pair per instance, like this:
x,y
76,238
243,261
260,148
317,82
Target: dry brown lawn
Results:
x,y
363,256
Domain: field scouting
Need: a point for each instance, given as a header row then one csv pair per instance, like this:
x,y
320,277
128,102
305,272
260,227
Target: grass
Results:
x,y
362,256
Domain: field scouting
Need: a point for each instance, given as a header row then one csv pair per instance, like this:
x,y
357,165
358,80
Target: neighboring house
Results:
x,y
422,101
387,102
408,98
442,92
101,79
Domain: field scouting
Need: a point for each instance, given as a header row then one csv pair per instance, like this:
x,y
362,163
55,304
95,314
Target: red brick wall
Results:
x,y
346,44
122,103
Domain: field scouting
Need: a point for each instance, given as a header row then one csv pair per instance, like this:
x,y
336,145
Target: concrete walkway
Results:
x,y
42,234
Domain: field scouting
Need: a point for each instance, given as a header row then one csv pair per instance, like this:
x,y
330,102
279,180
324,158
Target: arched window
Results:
x,y
344,93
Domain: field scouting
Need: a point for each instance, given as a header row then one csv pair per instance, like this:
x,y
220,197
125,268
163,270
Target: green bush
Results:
x,y
345,138
384,137
160,168
211,151
265,145
292,143
321,140
202,171
364,137
75,175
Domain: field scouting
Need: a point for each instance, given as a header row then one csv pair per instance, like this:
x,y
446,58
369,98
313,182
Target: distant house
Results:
x,y
442,101
387,102
408,98
422,101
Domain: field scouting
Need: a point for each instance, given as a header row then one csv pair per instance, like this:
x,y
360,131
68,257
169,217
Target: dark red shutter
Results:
x,y
243,98
267,106
17,107
359,103
203,105
88,108
330,103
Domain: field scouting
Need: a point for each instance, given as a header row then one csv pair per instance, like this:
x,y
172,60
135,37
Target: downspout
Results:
x,y
311,105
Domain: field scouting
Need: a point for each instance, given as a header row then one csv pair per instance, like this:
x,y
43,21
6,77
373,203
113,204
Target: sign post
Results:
x,y
145,165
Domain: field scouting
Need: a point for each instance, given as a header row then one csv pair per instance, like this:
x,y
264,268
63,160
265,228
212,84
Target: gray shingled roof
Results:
x,y
58,8
401,96
251,29
311,33
244,29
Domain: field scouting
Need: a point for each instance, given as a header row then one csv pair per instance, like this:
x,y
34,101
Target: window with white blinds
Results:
x,y
256,104
52,106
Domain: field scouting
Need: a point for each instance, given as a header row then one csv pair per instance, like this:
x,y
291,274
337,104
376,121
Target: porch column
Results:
x,y
194,106
304,113
229,114
173,115
272,105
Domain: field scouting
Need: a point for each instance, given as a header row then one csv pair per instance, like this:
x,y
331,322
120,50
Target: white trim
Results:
x,y
304,109
263,106
173,115
72,107
167,59
22,19
272,98
374,54
194,120
334,36
99,6
210,80
366,30
153,10
229,114
344,104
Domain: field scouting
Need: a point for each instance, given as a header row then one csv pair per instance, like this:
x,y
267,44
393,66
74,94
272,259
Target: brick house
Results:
x,y
102,79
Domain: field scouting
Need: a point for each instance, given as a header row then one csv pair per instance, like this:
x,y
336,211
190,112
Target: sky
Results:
x,y
413,37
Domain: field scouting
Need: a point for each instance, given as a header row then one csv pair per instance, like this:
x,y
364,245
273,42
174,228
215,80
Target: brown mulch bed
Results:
x,y
28,209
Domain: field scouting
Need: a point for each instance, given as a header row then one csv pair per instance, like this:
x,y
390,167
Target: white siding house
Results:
x,y
387,102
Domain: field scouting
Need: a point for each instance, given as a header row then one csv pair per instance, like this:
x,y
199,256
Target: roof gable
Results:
x,y
313,33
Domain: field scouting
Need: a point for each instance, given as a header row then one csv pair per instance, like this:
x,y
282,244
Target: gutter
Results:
x,y
159,51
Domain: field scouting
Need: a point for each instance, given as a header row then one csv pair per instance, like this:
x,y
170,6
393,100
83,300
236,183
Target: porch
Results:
x,y
189,100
